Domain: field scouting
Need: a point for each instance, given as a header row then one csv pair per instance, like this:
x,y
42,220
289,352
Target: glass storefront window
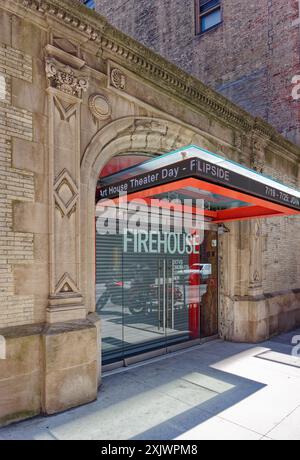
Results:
x,y
153,289
149,299
157,285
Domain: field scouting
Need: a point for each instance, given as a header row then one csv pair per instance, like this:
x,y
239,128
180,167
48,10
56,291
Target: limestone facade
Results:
x,y
74,92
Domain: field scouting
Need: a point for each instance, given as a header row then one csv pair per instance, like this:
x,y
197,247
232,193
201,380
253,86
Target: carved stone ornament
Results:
x,y
65,194
100,106
66,285
257,157
64,78
118,79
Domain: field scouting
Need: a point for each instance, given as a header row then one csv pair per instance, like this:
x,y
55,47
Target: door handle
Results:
x,y
173,294
159,292
164,295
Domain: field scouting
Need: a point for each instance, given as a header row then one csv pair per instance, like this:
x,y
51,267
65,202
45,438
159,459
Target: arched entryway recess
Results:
x,y
129,134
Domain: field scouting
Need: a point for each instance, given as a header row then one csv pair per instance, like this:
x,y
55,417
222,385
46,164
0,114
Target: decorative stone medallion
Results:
x,y
99,106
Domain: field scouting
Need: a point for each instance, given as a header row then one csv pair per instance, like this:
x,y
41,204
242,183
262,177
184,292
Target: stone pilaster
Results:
x,y
69,379
255,260
260,141
258,151
243,147
243,308
66,85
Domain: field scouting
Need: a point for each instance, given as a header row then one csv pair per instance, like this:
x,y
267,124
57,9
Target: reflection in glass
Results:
x,y
152,300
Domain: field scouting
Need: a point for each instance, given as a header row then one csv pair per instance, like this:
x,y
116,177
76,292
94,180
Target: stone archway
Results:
x,y
129,134
151,135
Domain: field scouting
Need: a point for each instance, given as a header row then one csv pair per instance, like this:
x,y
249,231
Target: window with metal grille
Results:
x,y
208,15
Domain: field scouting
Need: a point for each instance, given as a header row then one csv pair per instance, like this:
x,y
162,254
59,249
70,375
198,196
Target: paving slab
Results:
x,y
216,391
217,428
288,429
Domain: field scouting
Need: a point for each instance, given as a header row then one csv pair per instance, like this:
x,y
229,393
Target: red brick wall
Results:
x,y
251,58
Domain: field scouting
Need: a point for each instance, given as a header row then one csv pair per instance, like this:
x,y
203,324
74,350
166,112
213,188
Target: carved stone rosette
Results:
x,y
117,79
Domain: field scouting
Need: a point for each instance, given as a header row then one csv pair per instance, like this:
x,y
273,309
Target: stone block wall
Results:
x,y
74,92
16,185
281,254
24,232
281,262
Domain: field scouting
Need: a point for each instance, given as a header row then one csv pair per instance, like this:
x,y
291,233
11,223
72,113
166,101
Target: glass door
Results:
x,y
149,301
182,302
209,285
161,301
144,294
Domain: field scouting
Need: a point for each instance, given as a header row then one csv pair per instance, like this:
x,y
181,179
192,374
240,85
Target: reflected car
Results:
x,y
204,271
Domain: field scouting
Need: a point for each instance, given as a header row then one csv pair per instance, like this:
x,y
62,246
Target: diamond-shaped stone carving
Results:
x,y
66,194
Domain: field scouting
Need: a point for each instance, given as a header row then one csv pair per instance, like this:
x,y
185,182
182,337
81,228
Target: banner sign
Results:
x,y
199,169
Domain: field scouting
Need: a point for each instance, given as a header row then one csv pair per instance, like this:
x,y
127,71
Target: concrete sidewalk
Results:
x,y
216,391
